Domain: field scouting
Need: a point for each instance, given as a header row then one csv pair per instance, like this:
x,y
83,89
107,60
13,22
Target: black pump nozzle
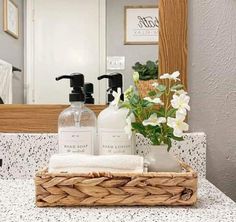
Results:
x,y
115,81
77,83
104,77
63,77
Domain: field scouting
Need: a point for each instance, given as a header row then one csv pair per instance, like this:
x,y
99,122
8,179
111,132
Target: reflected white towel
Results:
x,y
6,82
72,162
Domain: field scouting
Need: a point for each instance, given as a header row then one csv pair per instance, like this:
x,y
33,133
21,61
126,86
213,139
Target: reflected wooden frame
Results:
x,y
5,18
172,57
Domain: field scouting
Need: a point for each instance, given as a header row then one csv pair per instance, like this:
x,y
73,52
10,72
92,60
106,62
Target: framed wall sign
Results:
x,y
141,25
11,18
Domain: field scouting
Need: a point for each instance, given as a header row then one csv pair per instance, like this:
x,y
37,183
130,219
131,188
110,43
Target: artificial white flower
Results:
x,y
165,76
128,127
180,92
136,76
173,76
155,84
116,96
153,120
155,100
128,92
181,112
181,103
178,124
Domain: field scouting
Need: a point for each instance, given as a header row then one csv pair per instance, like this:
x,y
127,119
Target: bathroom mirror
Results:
x,y
171,52
87,37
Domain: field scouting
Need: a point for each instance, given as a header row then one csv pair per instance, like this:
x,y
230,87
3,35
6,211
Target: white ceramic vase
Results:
x,y
159,159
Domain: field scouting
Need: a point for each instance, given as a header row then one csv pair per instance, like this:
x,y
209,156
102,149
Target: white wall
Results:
x,y
12,51
212,85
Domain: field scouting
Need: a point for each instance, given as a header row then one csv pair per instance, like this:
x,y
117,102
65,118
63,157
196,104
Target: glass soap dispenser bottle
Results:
x,y
77,123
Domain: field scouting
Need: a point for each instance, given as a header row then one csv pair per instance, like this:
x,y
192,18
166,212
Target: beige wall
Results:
x,y
115,38
12,51
212,85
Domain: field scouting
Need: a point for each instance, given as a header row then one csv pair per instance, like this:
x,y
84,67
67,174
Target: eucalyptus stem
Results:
x,y
167,105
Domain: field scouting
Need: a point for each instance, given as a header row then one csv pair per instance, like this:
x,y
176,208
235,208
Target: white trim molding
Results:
x,y
29,52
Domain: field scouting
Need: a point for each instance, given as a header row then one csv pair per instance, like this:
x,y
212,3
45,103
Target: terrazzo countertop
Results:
x,y
17,204
23,154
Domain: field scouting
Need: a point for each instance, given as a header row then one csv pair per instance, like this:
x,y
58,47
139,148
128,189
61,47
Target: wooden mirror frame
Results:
x,y
172,57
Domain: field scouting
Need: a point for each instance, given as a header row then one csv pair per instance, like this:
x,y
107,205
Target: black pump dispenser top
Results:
x,y
115,81
88,91
77,83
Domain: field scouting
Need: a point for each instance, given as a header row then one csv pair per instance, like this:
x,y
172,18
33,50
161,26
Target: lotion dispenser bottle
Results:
x,y
112,121
77,123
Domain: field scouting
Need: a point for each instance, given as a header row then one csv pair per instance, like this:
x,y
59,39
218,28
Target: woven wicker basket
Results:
x,y
145,86
157,188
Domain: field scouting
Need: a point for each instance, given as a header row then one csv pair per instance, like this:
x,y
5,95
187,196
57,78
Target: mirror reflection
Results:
x,y
109,39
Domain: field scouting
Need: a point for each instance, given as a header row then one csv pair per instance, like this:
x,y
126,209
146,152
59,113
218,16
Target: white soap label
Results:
x,y
114,142
79,140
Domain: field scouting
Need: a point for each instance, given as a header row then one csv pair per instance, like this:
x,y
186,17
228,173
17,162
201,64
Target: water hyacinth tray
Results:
x,y
113,189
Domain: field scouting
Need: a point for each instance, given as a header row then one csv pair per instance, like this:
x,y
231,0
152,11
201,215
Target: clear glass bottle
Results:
x,y
77,123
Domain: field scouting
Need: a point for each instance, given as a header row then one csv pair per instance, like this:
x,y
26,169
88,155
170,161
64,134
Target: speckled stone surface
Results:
x,y
23,154
17,205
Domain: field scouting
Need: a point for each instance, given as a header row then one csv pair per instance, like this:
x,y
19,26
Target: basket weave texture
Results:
x,y
144,86
157,188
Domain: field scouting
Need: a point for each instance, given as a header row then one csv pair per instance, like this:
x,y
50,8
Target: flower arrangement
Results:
x,y
160,116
